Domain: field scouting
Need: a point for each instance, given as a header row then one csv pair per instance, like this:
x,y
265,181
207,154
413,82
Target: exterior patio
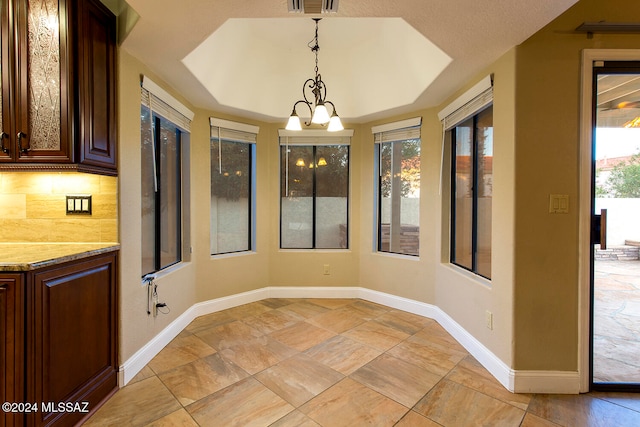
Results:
x,y
617,321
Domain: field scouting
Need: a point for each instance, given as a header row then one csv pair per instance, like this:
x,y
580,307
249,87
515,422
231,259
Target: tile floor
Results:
x,y
335,362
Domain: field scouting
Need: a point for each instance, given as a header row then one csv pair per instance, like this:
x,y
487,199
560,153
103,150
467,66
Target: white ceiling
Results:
x,y
378,58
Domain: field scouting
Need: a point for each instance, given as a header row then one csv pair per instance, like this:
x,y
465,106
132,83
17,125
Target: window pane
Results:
x,y
484,135
148,194
230,196
332,192
399,197
169,167
463,197
296,190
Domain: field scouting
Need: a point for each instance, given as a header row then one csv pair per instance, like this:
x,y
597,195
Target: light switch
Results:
x,y
79,204
559,203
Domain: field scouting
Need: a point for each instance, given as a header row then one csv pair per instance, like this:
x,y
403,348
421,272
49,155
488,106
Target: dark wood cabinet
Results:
x,y
58,85
11,346
37,96
96,58
58,329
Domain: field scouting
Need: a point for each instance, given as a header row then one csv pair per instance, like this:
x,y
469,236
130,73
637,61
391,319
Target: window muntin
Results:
x,y
232,171
471,192
314,202
161,192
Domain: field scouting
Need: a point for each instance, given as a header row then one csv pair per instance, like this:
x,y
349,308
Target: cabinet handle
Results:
x,y
22,135
4,136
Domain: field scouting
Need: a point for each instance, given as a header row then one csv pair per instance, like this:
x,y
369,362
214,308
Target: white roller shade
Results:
x,y
397,131
468,104
233,131
165,105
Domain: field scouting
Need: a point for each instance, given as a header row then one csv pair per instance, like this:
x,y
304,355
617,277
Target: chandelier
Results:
x,y
318,94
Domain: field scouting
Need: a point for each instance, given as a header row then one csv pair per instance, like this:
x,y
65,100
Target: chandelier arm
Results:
x,y
332,106
311,84
308,104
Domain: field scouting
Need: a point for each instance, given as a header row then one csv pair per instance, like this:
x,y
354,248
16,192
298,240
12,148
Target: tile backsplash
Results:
x,y
33,207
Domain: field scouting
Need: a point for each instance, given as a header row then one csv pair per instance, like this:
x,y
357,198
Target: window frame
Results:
x,y
238,133
392,133
161,106
474,161
315,139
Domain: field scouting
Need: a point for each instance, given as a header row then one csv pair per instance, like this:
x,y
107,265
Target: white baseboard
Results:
x,y
514,381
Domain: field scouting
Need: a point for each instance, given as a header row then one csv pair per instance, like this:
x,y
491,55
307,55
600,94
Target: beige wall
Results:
x,y
547,135
33,207
177,287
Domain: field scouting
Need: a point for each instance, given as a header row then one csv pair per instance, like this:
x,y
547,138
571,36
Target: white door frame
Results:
x,y
584,240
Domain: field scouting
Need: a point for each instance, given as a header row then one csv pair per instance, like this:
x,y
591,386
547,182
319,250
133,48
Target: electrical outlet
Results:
x,y
327,270
488,318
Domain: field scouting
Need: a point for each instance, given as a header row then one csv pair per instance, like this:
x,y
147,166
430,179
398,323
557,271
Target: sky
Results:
x,y
617,142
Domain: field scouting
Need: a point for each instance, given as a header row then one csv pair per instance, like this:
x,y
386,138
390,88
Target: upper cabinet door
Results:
x,y
96,90
35,77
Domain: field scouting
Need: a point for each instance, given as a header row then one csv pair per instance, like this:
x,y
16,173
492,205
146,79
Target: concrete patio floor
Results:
x,y
616,341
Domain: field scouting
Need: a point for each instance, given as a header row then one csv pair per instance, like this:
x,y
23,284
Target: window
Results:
x,y
471,136
314,190
398,186
232,186
162,135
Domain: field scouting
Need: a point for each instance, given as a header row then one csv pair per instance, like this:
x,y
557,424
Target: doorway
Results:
x,y
615,227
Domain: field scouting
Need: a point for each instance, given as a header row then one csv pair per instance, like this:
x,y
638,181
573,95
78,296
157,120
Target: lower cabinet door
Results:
x,y
11,350
72,327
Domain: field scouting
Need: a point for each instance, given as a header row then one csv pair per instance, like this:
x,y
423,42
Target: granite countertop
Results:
x,y
31,256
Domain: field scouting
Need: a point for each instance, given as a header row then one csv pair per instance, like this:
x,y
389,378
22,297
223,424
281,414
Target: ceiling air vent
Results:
x,y
313,6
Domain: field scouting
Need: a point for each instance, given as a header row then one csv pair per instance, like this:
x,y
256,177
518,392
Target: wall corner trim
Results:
x,y
514,381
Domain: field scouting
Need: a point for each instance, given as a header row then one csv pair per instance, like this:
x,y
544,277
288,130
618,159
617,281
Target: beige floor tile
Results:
x,y
627,400
437,360
330,303
304,309
180,351
371,309
136,405
302,335
401,381
243,404
343,354
452,404
339,320
437,335
209,321
376,334
248,310
576,410
275,303
228,335
406,322
298,379
257,354
144,373
349,403
470,373
271,321
413,419
180,418
198,379
295,419
531,420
